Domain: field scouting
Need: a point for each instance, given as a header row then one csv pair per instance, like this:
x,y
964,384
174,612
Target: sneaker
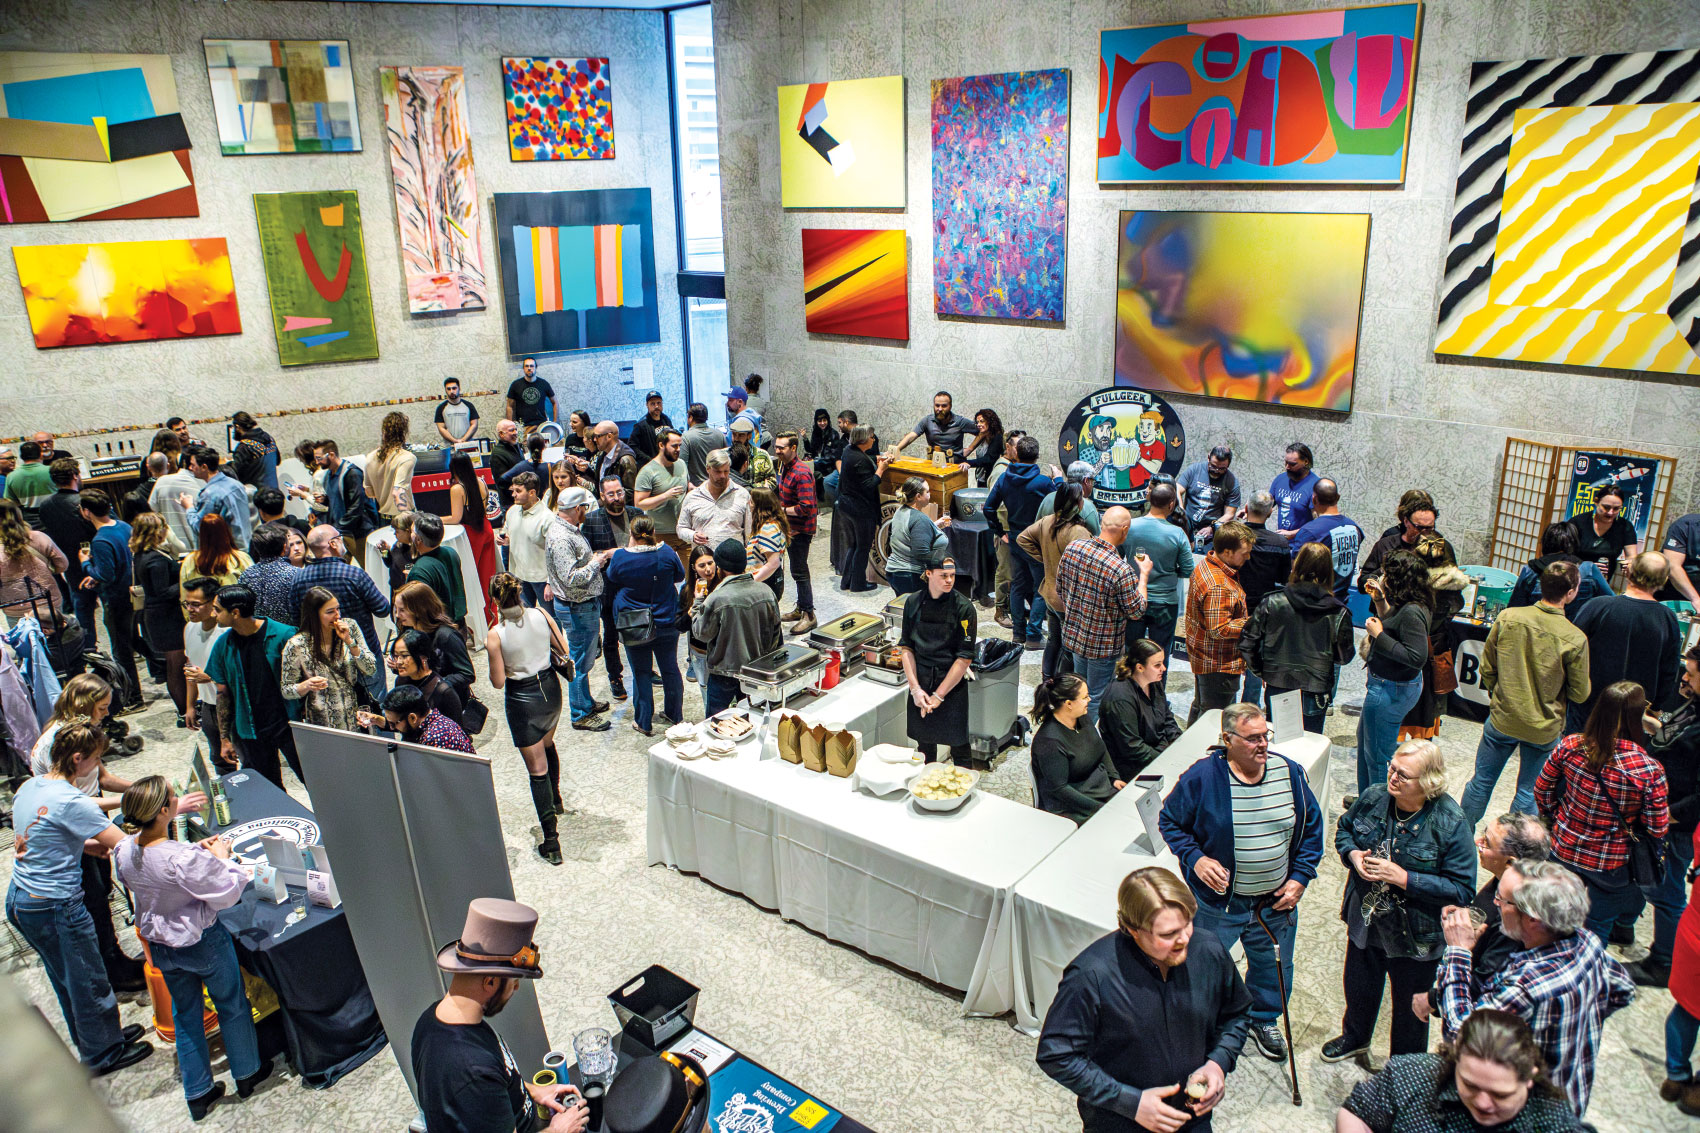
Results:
x,y
804,624
198,1107
182,723
790,615
619,692
591,723
132,1054
1269,1041
130,708
1648,972
597,707
245,1087
1341,1048
1003,619
1034,644
690,676
1623,934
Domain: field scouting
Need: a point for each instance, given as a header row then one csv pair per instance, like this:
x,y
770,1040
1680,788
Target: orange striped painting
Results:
x,y
856,282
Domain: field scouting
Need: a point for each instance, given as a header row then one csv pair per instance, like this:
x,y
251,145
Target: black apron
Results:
x,y
948,723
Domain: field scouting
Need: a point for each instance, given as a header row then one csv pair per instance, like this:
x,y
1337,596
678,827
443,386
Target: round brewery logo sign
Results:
x,y
1129,436
245,839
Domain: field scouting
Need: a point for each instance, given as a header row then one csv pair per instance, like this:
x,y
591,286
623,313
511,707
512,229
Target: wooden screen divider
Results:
x,y
1533,480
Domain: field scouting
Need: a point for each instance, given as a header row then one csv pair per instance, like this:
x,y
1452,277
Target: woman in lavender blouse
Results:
x,y
178,889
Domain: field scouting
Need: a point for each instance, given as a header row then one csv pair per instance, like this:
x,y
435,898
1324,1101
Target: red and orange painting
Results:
x,y
137,291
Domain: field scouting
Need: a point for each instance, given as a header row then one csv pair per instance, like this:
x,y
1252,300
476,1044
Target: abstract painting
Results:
x,y
1252,306
91,137
1575,233
841,144
283,95
436,195
578,269
1000,195
87,294
319,313
1305,97
558,109
856,281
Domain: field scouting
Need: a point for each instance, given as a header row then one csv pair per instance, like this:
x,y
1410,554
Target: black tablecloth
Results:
x,y
975,550
1468,700
330,1022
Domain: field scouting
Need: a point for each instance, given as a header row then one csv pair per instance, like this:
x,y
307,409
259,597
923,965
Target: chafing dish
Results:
x,y
892,615
777,676
846,636
883,663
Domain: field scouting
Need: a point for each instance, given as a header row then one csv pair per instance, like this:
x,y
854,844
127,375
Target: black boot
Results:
x,y
550,848
554,758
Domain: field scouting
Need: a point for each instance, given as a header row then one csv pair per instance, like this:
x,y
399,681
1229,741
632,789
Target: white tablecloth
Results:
x,y
1069,899
454,535
928,892
879,711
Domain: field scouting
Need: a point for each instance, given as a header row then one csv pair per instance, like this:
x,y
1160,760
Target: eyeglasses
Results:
x,y
1257,739
1394,775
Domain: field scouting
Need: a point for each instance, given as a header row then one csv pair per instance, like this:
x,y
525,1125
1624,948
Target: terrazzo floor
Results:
x,y
877,1042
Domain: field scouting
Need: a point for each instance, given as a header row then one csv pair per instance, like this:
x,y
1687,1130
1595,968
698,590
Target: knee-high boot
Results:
x,y
550,848
554,758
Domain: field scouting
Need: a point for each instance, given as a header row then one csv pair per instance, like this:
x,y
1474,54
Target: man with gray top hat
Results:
x,y
740,622
469,1081
575,591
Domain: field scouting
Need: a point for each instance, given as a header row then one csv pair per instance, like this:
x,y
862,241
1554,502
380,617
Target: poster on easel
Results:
x,y
1636,476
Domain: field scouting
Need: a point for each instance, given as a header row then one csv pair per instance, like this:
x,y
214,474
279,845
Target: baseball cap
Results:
x,y
737,393
571,498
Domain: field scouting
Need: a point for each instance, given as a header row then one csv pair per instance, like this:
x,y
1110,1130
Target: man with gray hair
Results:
x,y
1563,983
575,589
1271,555
1506,839
1080,473
716,509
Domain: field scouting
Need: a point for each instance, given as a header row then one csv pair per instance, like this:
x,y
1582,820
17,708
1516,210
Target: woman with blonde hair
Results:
x,y
389,467
1410,852
521,647
177,889
45,902
770,534
157,573
326,662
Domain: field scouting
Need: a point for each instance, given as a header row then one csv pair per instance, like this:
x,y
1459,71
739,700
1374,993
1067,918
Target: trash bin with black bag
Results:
x,y
995,721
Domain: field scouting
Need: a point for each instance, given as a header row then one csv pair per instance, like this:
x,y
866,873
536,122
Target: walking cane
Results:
x,y
1281,985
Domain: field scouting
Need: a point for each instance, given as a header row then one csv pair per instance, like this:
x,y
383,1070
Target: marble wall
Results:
x,y
1415,421
111,387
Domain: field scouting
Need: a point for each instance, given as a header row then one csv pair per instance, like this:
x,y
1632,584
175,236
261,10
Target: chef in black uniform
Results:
x,y
939,628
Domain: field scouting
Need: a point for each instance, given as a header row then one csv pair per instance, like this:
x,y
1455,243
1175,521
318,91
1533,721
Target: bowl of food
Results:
x,y
943,787
733,724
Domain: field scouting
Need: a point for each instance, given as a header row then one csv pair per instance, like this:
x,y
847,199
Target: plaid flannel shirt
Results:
x,y
1585,830
1215,618
1563,990
797,489
1100,594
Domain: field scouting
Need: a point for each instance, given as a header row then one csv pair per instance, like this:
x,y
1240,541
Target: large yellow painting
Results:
x,y
841,144
1570,248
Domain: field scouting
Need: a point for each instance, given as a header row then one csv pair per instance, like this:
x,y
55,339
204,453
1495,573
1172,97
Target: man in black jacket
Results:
x,y
646,433
255,460
1145,1013
62,521
348,507
504,454
1271,555
605,529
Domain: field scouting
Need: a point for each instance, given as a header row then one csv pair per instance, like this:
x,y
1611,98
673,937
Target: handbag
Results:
x,y
635,626
474,713
560,657
1445,674
1647,863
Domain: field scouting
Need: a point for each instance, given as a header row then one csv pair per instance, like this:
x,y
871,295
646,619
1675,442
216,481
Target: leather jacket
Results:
x,y
1296,636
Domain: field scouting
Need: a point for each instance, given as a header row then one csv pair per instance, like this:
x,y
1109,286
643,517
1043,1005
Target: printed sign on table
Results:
x,y
1636,475
747,1099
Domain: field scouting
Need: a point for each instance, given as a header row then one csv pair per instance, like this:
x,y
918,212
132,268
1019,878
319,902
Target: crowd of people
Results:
x,y
241,583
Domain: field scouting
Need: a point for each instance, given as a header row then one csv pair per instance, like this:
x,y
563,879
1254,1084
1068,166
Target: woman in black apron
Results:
x,y
939,628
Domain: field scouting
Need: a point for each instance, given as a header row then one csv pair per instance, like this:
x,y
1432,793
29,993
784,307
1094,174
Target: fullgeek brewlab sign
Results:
x,y
1129,436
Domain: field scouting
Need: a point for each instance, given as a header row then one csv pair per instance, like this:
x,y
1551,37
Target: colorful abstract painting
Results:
x,y
558,109
1306,97
91,137
578,269
88,294
315,261
856,281
1000,195
283,95
1576,223
841,144
1252,306
436,194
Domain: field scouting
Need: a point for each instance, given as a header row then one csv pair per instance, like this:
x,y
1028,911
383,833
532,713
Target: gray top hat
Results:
x,y
497,941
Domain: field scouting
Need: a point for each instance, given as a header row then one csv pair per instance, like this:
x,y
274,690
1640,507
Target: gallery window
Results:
x,y
696,175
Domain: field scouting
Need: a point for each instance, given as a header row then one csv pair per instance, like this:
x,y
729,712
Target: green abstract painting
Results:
x,y
315,263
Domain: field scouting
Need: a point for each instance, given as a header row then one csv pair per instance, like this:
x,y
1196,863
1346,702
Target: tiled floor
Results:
x,y
883,1045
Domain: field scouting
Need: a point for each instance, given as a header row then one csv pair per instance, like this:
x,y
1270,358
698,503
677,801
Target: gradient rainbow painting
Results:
x,y
137,291
856,281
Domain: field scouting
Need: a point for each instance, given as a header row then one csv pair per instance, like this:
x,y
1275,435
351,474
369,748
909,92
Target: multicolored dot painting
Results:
x,y
559,109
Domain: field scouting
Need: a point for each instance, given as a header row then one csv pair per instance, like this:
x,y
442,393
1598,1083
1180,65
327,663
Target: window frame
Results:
x,y
690,283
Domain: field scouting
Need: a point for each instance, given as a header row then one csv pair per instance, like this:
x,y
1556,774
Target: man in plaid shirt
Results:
x,y
797,497
1563,984
1100,594
1216,615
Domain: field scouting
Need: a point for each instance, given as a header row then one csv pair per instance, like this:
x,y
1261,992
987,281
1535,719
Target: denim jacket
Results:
x,y
1438,851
